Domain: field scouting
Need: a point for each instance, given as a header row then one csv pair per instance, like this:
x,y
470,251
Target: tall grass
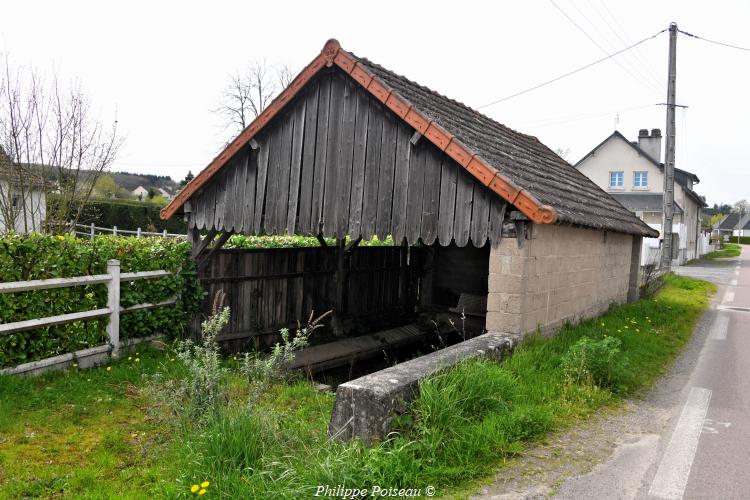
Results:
x,y
87,434
466,420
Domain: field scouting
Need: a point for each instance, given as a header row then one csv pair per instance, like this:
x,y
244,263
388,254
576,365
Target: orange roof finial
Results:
x,y
329,51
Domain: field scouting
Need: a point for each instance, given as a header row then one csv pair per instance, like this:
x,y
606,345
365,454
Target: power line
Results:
x,y
625,40
583,116
642,78
714,41
599,45
572,72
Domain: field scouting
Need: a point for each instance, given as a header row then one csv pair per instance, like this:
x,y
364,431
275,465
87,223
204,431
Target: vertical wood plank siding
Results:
x,y
336,161
270,289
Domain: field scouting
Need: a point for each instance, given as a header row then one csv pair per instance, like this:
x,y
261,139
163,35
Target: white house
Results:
x,y
140,192
23,204
633,174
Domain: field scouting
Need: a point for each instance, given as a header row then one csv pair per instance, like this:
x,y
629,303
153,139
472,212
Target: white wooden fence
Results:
x,y
94,355
91,230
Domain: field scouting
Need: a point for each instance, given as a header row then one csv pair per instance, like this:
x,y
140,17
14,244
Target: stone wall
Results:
x,y
561,274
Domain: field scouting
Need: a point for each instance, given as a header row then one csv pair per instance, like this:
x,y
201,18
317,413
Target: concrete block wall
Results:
x,y
561,274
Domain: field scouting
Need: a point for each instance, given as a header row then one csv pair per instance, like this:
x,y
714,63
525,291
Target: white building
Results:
x,y
140,192
23,204
633,174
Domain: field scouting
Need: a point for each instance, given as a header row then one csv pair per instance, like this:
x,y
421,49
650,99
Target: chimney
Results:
x,y
650,144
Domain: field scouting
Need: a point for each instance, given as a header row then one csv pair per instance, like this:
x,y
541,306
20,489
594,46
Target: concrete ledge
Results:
x,y
365,406
85,358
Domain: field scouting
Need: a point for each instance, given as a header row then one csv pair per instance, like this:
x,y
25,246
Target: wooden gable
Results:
x,y
336,162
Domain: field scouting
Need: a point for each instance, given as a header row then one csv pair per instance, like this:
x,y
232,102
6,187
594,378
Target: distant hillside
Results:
x,y
131,181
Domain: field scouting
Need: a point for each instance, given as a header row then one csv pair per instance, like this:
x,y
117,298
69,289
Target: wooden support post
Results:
x,y
92,231
321,240
113,304
138,233
403,275
338,305
425,289
114,230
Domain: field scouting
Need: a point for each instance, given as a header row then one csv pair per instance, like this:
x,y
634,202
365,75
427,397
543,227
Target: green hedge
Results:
x,y
127,214
40,257
242,241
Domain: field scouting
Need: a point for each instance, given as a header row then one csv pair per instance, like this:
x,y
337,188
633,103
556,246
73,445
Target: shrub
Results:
x,y
593,361
126,214
275,367
35,256
293,241
202,391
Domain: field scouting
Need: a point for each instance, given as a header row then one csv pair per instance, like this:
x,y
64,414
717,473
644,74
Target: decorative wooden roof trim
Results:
x,y
333,54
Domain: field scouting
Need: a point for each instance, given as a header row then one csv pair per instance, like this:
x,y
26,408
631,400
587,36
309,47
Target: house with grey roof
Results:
x,y
353,150
633,174
733,225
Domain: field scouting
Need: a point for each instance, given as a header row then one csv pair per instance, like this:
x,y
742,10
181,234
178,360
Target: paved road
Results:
x,y
690,438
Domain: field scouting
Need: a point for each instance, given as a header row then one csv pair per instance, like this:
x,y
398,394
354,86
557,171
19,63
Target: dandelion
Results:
x,y
205,484
109,368
75,365
130,358
626,326
137,360
202,491
602,323
638,330
195,488
61,238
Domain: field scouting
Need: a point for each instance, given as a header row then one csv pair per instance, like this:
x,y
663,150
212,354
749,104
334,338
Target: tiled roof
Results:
x,y
643,202
517,167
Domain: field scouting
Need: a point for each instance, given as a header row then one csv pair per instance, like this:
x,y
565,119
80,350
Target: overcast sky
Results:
x,y
162,67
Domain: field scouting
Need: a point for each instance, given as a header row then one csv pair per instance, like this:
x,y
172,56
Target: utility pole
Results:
x,y
666,249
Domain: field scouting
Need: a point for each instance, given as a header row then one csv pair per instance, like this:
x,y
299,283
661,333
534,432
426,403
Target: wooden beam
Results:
x,y
352,245
200,247
219,243
340,278
321,240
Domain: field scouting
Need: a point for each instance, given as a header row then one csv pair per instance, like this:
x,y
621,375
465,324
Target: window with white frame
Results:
x,y
615,180
640,180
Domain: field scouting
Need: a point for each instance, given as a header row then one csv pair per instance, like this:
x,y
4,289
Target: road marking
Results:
x,y
719,327
674,469
733,282
728,296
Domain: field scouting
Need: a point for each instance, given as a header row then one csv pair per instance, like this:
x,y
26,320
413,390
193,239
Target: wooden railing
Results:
x,y
112,279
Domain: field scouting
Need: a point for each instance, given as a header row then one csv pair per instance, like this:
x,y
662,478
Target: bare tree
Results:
x,y
53,145
249,91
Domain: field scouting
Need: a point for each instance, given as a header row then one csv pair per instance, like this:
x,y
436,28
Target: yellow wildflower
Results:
x,y
638,330
602,323
205,484
61,237
625,326
137,360
194,488
619,331
109,368
130,358
75,365
202,491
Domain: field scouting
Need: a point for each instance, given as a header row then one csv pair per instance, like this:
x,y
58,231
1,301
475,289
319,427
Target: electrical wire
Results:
x,y
572,72
642,78
714,41
625,40
582,116
648,85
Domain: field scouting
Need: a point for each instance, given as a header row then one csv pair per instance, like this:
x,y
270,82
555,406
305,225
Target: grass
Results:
x,y
89,434
729,250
